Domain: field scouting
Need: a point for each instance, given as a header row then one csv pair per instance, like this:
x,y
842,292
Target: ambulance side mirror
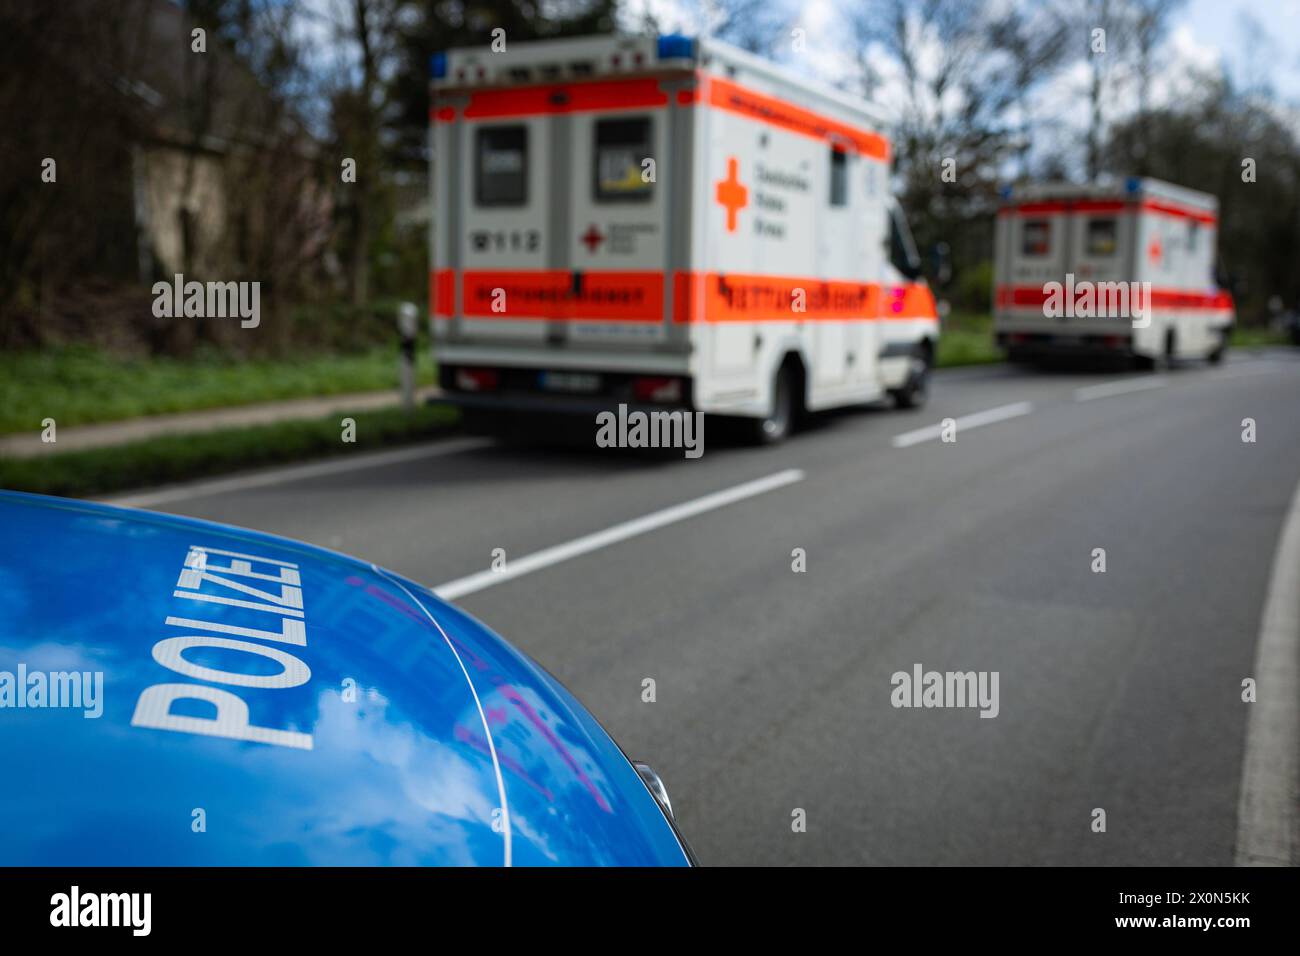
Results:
x,y
902,250
1225,279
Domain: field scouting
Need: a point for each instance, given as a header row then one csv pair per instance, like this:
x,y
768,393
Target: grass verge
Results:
x,y
966,340
80,386
1256,336
173,458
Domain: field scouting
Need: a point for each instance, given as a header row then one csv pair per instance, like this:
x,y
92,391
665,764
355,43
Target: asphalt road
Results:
x,y
1118,690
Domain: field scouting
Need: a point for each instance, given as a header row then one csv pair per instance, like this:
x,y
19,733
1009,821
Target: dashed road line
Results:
x,y
619,532
1122,387
966,422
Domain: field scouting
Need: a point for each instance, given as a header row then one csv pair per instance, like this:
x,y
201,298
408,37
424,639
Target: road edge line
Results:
x,y
282,474
1266,808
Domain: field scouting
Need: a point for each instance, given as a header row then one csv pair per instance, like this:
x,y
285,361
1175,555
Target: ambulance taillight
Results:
x,y
657,389
477,379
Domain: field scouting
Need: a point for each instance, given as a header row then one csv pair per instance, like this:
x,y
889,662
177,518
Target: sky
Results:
x,y
1216,26
1256,44
1253,42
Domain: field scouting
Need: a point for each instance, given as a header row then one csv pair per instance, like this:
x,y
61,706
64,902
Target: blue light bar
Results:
x,y
674,46
438,66
1133,184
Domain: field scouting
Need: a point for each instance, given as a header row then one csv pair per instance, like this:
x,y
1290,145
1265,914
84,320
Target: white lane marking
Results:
x,y
1122,387
619,532
1246,369
487,731
279,476
973,420
1266,810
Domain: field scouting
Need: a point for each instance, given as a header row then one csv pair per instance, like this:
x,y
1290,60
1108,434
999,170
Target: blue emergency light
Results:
x,y
674,46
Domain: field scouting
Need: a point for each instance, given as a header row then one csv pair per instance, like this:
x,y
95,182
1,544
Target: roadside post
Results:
x,y
407,323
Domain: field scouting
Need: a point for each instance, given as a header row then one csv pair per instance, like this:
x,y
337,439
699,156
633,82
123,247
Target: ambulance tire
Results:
x,y
1170,359
773,428
1166,360
1216,354
916,389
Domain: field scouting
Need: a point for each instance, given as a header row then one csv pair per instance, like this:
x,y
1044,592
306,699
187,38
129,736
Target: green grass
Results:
x,y
172,458
1254,336
966,340
78,386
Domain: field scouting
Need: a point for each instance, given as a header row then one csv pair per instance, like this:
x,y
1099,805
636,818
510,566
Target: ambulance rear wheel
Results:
x,y
1169,360
1216,354
777,424
916,389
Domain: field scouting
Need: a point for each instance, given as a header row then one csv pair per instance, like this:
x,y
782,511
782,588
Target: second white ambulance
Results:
x,y
669,223
1125,267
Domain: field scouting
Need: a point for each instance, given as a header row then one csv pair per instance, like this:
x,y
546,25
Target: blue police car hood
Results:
x,y
174,691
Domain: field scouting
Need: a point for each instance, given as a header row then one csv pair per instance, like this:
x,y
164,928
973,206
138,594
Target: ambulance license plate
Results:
x,y
569,382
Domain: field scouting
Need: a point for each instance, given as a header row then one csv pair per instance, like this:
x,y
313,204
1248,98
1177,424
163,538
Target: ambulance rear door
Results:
x,y
556,224
1101,240
1037,240
617,191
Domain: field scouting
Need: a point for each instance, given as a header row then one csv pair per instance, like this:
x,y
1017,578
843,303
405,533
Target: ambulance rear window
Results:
x,y
622,147
501,171
839,177
1103,238
1035,237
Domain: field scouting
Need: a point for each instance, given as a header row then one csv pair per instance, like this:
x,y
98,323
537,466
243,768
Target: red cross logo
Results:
x,y
1154,251
593,237
732,194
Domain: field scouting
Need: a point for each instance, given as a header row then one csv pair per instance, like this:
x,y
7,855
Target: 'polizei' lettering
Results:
x,y
276,593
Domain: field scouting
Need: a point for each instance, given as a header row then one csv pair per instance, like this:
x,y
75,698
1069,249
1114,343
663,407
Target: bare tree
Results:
x,y
756,26
1034,37
1124,39
1148,23
366,46
1102,21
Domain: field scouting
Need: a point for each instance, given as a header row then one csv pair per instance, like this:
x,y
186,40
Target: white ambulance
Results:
x,y
1127,268
666,222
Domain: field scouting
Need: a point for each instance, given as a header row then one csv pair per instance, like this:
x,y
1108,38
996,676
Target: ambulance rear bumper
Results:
x,y
543,389
557,406
1031,344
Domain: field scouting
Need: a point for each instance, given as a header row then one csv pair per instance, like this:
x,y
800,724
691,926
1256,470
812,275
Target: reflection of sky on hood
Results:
x,y
403,775
396,796
376,791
